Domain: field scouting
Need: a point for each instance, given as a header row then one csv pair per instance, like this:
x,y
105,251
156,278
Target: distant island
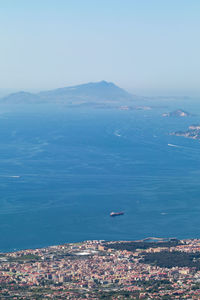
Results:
x,y
92,93
177,113
193,132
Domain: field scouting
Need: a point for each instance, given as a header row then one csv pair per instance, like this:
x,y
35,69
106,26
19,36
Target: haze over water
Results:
x,y
63,171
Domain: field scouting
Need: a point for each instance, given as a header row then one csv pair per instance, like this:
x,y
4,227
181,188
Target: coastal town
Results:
x,y
193,132
104,270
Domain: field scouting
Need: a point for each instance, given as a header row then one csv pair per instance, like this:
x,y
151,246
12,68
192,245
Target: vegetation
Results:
x,y
173,259
22,258
118,295
132,246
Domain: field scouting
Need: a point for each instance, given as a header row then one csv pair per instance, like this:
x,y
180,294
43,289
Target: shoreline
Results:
x,y
146,240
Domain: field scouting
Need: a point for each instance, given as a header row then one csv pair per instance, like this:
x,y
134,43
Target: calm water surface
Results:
x,y
63,171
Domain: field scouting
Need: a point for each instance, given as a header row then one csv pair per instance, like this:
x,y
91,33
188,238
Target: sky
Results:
x,y
145,46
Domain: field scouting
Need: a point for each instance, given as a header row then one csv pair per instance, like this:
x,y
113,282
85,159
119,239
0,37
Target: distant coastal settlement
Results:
x,y
177,113
193,132
147,269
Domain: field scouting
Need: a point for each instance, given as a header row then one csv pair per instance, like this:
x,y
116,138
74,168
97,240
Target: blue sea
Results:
x,y
63,170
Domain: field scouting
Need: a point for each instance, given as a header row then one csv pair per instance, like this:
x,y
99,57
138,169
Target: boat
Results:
x,y
114,214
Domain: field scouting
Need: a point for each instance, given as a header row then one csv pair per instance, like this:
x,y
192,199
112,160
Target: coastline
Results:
x,y
147,239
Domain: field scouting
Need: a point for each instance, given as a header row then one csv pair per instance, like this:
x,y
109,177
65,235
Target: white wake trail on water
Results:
x,y
172,145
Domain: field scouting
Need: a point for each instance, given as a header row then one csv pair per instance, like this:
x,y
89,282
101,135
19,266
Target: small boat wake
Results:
x,y
117,133
172,145
114,214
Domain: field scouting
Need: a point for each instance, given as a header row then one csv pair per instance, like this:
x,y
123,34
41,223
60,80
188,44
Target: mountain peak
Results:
x,y
92,91
104,82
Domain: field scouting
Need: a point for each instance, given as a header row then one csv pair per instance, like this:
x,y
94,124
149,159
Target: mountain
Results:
x,y
94,91
20,98
102,92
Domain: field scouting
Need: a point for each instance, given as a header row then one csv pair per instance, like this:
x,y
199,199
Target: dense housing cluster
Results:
x,y
99,269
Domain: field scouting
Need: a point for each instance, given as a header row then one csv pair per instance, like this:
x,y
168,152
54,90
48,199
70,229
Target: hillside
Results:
x,y
90,93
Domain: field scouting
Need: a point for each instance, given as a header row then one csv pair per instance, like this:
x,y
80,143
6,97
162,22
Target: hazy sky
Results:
x,y
142,45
